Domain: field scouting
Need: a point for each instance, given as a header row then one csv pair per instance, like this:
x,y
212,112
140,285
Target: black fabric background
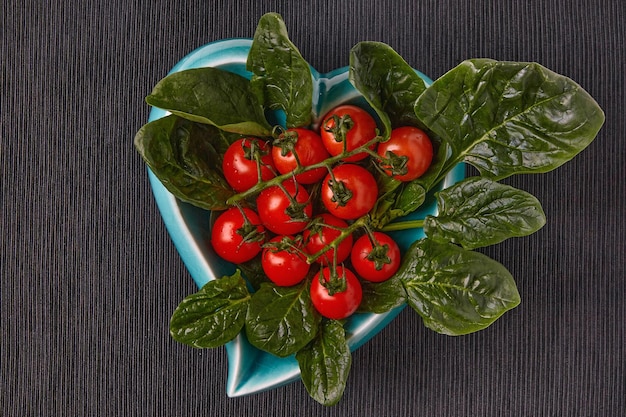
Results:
x,y
89,276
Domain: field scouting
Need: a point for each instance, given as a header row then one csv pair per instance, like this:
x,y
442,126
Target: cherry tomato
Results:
x,y
282,262
347,127
378,262
340,304
236,238
350,192
240,163
308,147
327,230
411,150
277,211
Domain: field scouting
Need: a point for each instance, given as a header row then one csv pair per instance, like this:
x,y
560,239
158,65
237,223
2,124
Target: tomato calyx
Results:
x,y
296,210
335,283
248,231
341,193
286,141
394,165
379,255
289,244
254,152
339,127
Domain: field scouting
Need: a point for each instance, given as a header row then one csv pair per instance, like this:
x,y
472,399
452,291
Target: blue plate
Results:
x,y
251,370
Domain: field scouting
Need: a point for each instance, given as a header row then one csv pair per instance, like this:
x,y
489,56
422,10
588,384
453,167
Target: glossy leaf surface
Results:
x,y
325,363
212,316
186,157
509,117
387,82
213,96
381,297
478,212
281,75
281,320
456,291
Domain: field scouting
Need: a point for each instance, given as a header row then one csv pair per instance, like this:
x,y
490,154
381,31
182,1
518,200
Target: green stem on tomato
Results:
x,y
360,222
327,163
407,224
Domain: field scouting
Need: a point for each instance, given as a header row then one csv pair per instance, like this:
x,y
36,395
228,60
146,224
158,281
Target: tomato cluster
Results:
x,y
310,220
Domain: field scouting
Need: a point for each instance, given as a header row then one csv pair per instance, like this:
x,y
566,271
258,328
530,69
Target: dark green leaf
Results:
x,y
387,192
281,320
387,82
212,96
325,364
186,157
456,291
478,212
214,315
253,272
411,197
404,200
509,117
380,297
281,75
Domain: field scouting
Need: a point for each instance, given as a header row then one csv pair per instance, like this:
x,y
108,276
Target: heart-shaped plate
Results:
x,y
251,370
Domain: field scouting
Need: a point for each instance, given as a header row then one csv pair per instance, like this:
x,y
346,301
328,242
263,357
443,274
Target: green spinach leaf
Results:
x,y
281,320
186,157
509,117
281,75
387,82
404,200
253,272
212,96
456,291
478,212
381,297
325,363
214,315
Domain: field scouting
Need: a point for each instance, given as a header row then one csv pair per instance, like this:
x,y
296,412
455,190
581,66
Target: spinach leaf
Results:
x,y
281,320
387,82
186,157
212,96
325,363
253,272
380,297
281,75
478,212
214,315
509,117
407,198
456,291
410,198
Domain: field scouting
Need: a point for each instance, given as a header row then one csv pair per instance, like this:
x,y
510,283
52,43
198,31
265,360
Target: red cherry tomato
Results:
x,y
240,163
326,231
338,305
350,192
282,262
347,127
308,147
377,262
412,150
277,211
236,238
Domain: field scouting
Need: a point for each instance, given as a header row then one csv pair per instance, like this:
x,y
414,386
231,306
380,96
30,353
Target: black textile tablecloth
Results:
x,y
89,276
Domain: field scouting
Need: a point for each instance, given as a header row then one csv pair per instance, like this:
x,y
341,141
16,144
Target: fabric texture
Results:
x,y
89,277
